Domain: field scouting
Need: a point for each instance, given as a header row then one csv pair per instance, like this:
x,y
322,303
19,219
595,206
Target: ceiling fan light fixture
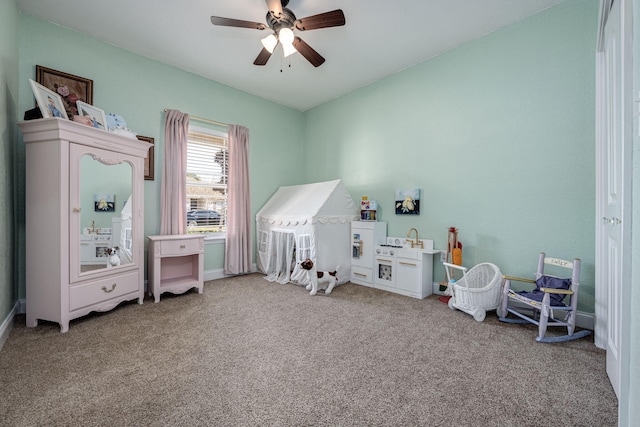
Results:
x,y
288,49
285,35
270,42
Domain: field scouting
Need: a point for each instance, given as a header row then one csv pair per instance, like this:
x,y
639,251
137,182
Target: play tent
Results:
x,y
306,221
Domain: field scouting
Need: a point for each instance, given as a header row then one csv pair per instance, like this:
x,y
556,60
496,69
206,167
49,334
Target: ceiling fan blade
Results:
x,y
275,6
229,22
263,57
335,18
307,51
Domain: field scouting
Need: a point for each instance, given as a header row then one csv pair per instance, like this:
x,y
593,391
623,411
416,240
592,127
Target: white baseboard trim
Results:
x,y
583,320
219,273
7,323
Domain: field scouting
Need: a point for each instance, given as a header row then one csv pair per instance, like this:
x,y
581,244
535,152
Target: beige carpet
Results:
x,y
252,353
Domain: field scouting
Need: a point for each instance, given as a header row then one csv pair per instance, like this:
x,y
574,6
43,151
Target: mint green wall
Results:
x,y
140,89
8,132
499,135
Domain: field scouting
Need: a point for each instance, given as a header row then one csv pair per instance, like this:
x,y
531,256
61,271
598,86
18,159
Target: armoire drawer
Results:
x,y
180,247
102,290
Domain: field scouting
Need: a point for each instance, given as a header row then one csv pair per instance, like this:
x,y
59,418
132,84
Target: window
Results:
x,y
263,241
207,172
304,247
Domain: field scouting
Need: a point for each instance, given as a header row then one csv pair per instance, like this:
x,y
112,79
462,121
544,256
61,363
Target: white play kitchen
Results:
x,y
403,265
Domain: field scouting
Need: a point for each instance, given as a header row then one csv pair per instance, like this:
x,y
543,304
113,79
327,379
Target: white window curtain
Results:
x,y
173,214
237,258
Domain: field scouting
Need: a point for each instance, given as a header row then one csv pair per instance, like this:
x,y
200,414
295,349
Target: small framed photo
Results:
x,y
408,202
104,202
95,117
148,161
49,102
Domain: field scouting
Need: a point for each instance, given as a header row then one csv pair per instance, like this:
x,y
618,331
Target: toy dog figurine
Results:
x,y
314,277
114,259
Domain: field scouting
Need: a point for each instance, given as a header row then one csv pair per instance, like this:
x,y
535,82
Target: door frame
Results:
x,y
601,306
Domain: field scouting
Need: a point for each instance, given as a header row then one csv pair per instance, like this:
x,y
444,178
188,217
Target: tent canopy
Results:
x,y
309,204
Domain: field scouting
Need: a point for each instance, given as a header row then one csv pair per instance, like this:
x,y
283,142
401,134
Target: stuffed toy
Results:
x,y
316,277
117,124
114,259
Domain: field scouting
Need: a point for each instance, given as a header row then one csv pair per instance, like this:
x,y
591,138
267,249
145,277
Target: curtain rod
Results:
x,y
200,119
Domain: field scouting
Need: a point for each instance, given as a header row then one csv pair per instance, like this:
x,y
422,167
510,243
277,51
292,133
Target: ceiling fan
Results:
x,y
282,22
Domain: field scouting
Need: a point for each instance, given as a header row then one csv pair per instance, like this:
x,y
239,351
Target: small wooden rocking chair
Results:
x,y
546,303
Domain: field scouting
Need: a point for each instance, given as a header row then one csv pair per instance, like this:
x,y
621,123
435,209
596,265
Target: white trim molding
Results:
x,y
218,273
7,323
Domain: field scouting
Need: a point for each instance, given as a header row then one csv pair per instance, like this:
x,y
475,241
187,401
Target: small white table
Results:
x,y
176,264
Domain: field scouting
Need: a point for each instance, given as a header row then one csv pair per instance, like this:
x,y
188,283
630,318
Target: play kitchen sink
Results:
x,y
404,243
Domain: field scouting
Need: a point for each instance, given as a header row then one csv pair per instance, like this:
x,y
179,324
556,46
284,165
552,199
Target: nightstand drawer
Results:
x,y
102,290
181,247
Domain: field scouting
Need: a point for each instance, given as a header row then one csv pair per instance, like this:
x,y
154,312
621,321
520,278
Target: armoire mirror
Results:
x,y
105,214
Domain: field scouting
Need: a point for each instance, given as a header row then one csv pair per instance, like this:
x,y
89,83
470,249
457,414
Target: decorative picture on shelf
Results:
x,y
70,88
49,102
92,116
408,202
104,202
148,161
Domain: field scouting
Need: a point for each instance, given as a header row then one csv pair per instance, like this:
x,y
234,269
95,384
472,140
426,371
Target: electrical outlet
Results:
x,y
443,257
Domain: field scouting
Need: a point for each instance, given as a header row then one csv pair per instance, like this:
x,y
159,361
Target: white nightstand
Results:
x,y
176,264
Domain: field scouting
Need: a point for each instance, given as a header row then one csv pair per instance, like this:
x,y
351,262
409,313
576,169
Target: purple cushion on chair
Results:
x,y
548,282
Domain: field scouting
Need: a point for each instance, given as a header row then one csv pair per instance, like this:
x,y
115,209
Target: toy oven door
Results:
x,y
384,272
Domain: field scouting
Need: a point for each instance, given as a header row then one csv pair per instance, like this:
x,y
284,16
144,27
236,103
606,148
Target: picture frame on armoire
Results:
x,y
95,116
49,102
148,161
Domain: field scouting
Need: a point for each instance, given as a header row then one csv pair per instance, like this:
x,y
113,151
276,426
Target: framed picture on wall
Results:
x,y
408,202
70,88
49,102
148,161
104,202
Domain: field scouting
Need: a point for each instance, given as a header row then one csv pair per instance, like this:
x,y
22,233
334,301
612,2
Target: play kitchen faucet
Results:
x,y
417,242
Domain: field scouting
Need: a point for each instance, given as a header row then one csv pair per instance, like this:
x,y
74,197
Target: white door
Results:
x,y
613,153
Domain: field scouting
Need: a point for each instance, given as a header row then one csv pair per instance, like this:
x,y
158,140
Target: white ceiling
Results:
x,y
380,38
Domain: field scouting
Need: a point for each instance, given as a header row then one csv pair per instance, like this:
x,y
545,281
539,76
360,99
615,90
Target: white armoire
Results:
x,y
79,182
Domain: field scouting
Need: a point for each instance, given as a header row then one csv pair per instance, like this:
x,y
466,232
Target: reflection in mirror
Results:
x,y
105,221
